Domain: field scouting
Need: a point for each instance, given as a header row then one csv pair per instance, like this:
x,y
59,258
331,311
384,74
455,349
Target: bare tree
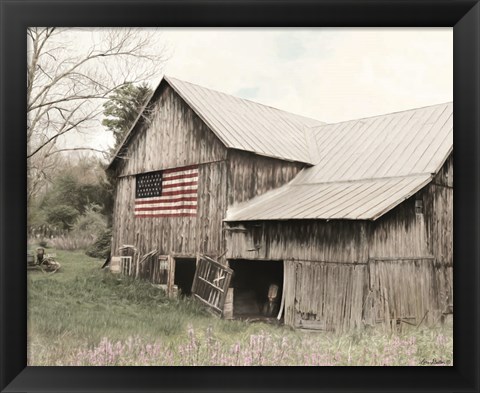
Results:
x,y
68,80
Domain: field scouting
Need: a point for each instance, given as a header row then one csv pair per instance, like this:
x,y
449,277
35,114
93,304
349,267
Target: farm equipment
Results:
x,y
42,261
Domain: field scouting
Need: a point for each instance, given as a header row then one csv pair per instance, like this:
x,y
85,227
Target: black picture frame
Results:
x,y
16,15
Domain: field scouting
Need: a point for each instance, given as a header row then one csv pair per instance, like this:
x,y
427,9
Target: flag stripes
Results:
x,y
174,195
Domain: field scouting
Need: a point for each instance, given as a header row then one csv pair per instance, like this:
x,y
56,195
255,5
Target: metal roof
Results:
x,y
240,124
363,168
247,125
359,200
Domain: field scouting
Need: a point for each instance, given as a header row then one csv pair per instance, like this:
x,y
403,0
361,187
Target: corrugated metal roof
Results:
x,y
363,168
247,125
397,144
358,200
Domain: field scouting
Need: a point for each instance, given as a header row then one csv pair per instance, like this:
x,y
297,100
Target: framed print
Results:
x,y
237,196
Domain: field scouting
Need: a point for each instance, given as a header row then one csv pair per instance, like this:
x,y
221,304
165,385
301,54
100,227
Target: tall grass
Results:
x,y
82,315
266,348
73,241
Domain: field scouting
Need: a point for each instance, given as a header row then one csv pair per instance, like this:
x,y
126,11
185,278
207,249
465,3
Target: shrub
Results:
x,y
101,246
91,221
43,243
62,216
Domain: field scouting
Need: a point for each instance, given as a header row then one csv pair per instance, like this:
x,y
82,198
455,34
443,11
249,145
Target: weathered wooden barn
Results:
x,y
343,225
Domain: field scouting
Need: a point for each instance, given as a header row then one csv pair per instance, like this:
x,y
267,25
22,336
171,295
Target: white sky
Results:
x,y
331,74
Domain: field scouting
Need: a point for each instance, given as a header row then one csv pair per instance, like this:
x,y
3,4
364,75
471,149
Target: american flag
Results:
x,y
168,193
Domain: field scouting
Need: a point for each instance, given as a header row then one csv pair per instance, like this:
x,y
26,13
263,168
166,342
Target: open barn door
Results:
x,y
211,282
160,270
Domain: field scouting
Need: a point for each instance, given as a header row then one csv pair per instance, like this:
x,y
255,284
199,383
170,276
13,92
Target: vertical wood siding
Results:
x,y
325,296
400,233
439,213
307,240
174,235
403,290
172,136
250,175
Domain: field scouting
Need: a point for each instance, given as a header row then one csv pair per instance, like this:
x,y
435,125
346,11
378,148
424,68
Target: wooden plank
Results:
x,y
210,284
282,301
217,264
207,303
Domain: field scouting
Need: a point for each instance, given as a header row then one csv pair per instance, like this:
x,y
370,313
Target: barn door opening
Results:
x,y
211,282
184,274
257,288
159,269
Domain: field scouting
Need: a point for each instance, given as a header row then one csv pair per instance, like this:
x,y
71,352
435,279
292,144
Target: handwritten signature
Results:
x,y
435,361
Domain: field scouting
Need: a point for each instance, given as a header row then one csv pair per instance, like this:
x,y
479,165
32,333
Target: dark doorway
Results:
x,y
257,287
184,273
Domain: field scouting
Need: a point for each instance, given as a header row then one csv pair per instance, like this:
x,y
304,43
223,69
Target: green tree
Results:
x,y
62,216
78,185
122,109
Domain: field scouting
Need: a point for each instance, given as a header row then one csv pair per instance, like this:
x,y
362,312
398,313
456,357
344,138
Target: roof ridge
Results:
x,y
364,179
245,99
380,115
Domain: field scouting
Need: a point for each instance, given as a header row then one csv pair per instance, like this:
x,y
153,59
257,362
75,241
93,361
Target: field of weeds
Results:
x,y
82,315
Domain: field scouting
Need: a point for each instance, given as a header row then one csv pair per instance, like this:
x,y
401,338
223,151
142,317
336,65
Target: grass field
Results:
x,y
83,315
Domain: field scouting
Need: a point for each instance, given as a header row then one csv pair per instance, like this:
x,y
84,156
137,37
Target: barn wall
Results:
x,y
172,136
403,233
399,233
306,240
411,256
439,213
324,267
325,296
401,290
250,175
174,235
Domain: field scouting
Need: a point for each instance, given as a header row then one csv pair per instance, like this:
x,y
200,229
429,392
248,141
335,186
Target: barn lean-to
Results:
x,y
353,220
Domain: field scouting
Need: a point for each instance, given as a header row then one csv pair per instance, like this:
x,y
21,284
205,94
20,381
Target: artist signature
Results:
x,y
435,361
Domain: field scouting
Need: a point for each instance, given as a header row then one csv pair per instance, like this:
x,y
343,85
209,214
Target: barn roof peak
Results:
x,y
240,123
248,125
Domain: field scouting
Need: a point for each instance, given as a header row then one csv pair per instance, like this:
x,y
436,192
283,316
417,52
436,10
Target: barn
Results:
x,y
258,212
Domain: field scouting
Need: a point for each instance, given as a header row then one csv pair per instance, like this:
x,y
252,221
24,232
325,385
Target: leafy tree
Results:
x,y
62,216
82,186
122,109
92,221
70,189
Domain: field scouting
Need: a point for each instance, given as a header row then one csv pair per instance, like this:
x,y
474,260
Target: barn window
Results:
x,y
159,269
163,263
419,206
126,265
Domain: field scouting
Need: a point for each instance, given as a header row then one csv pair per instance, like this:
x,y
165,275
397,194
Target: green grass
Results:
x,y
78,314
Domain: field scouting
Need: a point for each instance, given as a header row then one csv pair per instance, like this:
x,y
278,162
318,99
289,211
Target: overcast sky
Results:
x,y
331,74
